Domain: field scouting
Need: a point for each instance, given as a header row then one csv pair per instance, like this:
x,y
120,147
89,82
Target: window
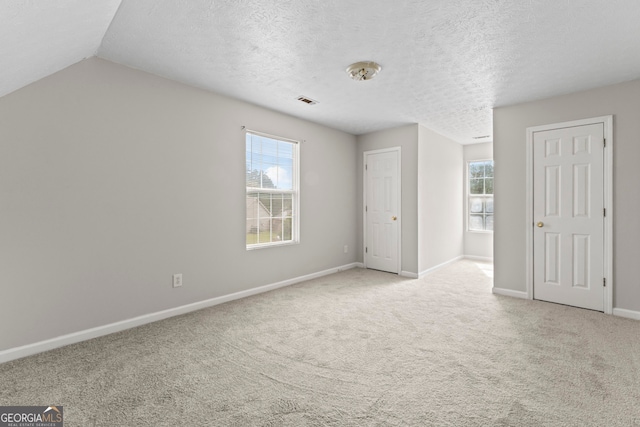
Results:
x,y
480,196
271,191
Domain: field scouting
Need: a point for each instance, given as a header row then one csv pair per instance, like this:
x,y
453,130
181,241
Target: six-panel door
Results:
x,y
382,203
568,185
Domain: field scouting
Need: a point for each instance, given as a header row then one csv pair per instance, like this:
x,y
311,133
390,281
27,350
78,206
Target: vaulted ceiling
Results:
x,y
445,63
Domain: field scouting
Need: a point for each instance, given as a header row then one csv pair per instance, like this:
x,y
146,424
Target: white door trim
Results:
x,y
608,201
364,202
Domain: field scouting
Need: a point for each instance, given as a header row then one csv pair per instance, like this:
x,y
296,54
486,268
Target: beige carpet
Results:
x,y
358,348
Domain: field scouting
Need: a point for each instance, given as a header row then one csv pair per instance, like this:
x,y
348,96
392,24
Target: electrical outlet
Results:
x,y
346,249
177,280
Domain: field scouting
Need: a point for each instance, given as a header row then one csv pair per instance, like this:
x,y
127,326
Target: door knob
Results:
x,y
394,218
540,224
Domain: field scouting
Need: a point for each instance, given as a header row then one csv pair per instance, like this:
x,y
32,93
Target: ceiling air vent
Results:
x,y
482,137
307,100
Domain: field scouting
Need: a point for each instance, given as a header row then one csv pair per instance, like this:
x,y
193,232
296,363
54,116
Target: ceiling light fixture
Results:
x,y
364,70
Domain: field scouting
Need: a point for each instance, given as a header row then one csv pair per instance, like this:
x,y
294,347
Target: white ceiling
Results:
x,y
38,38
445,63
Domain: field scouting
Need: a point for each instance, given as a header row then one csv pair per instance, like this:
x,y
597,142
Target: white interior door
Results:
x,y
382,211
568,214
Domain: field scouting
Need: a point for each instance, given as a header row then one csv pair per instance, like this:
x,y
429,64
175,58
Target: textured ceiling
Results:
x,y
445,63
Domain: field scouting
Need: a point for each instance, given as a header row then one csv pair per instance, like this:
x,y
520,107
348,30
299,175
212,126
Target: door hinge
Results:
x,y
366,208
366,167
366,250
604,282
604,212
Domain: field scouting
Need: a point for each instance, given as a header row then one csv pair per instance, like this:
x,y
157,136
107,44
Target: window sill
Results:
x,y
480,231
271,245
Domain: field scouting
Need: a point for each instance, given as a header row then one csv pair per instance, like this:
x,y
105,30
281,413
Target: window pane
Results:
x,y
287,205
476,170
286,228
265,205
285,150
488,169
285,174
276,230
264,234
489,205
280,176
476,222
476,205
276,205
253,178
252,205
264,216
476,186
489,222
269,176
252,238
488,186
269,217
269,149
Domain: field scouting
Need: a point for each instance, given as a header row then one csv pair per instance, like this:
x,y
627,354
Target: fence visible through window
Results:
x,y
271,190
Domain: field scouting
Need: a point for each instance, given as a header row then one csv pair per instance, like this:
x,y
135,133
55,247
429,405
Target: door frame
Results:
x,y
364,202
607,121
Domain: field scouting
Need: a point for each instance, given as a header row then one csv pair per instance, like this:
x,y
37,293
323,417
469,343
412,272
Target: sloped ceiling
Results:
x,y
445,63
38,38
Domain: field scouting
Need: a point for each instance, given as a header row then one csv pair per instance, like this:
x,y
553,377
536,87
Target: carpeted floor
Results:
x,y
358,348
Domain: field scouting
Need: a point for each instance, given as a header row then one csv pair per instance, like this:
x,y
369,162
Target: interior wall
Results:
x,y
476,244
112,180
440,208
623,102
405,137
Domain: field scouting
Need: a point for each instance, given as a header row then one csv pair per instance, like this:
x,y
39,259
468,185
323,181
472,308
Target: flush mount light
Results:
x,y
364,70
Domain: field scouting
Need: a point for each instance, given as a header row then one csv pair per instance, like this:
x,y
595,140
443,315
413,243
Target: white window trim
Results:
x,y
467,196
295,180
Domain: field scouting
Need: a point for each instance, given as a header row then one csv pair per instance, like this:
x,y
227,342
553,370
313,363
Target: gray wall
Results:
x,y
431,189
623,102
407,138
478,244
112,179
440,208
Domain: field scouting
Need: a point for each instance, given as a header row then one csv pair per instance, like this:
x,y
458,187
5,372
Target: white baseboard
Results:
x,y
50,344
439,266
408,274
629,314
509,293
478,258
